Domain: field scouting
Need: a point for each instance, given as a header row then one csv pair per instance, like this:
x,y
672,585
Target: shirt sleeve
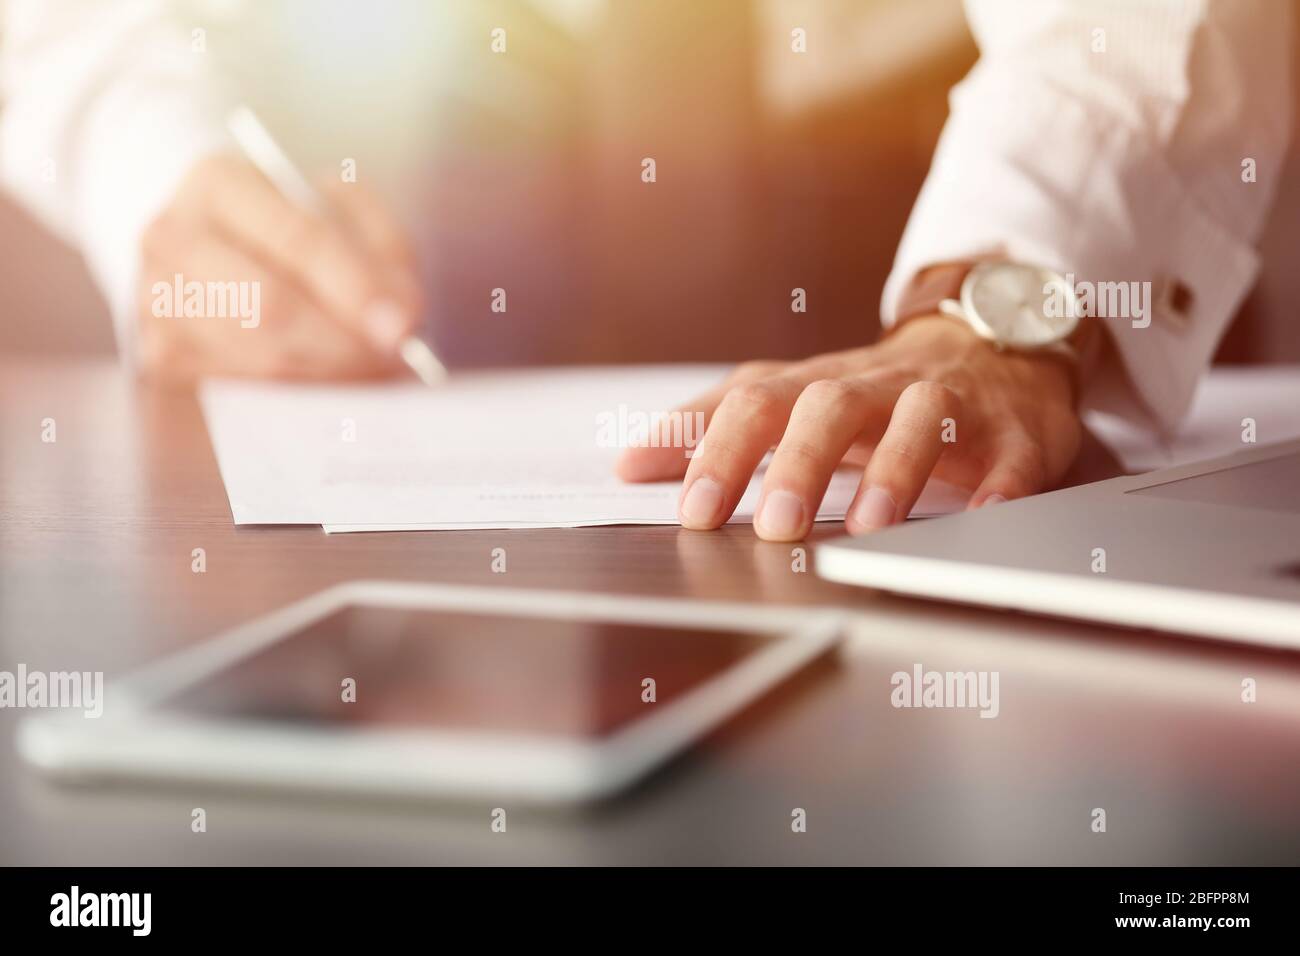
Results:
x,y
1117,142
106,106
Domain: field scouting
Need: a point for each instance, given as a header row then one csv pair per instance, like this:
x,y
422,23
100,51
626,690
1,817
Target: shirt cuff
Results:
x,y
1049,182
138,145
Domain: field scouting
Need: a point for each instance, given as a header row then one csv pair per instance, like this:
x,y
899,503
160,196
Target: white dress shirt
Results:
x,y
1106,139
106,106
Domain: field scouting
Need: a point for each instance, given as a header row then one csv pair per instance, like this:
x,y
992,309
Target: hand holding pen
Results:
x,y
329,274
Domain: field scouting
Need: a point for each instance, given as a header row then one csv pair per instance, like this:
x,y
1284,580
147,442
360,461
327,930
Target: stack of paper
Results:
x,y
485,450
525,449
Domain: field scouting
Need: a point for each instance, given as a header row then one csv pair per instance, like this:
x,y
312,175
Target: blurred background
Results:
x,y
522,171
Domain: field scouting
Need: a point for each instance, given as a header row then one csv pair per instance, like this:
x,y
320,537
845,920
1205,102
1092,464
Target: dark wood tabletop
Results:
x,y
96,534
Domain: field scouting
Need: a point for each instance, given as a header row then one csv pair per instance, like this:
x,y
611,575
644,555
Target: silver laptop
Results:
x,y
1210,549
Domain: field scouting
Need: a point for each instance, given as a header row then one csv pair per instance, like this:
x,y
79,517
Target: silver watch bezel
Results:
x,y
971,315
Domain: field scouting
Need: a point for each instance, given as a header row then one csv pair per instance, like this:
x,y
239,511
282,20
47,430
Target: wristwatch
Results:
x,y
1011,305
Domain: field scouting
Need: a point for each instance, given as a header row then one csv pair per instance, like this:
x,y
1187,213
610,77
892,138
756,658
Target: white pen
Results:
x,y
265,153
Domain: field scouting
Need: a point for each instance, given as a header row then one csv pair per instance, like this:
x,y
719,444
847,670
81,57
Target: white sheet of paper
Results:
x,y
1269,395
518,449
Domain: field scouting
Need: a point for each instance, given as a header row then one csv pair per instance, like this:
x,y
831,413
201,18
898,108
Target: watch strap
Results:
x,y
926,291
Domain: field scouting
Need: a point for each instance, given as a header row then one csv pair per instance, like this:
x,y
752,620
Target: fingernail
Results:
x,y
780,516
993,499
875,509
386,324
701,504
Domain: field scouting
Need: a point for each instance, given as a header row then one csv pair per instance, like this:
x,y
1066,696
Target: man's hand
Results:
x,y
933,398
337,293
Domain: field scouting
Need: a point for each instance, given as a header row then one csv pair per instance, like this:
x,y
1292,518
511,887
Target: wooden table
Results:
x,y
96,534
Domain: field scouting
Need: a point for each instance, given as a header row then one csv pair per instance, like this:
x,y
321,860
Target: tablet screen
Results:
x,y
427,669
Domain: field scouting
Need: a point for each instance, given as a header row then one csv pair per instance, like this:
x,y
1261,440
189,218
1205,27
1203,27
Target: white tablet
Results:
x,y
414,690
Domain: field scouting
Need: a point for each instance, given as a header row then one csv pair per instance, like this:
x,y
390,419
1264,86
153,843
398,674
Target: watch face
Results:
x,y
1020,306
